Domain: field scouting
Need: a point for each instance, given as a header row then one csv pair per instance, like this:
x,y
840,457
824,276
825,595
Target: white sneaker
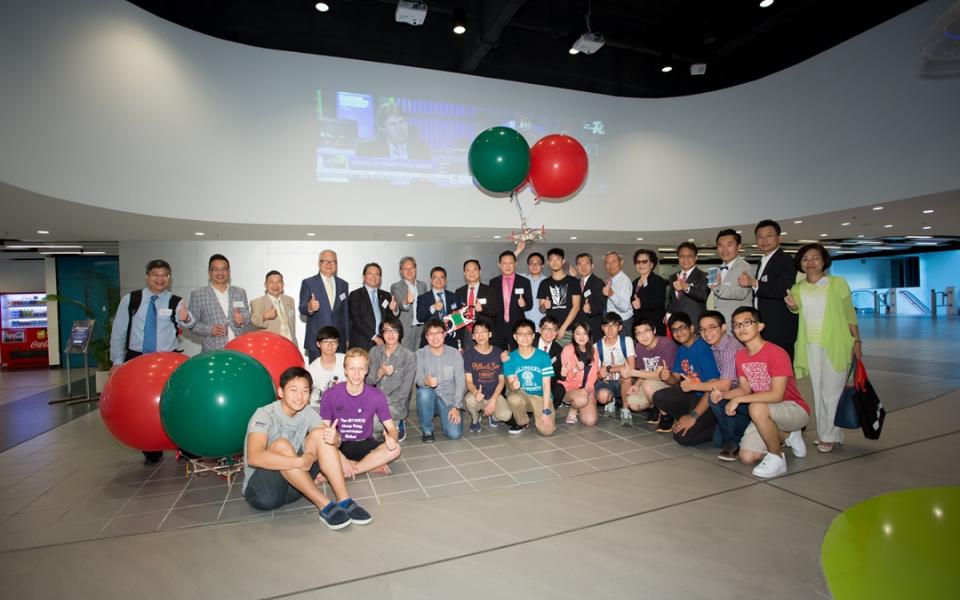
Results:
x,y
795,442
772,465
610,409
626,417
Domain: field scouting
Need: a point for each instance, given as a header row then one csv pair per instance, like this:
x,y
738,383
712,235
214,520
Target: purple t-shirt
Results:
x,y
354,413
663,355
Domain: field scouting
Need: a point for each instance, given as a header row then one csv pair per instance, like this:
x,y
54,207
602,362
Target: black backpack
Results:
x,y
136,297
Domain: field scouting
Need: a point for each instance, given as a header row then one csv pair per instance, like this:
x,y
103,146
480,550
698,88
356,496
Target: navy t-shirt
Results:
x,y
696,362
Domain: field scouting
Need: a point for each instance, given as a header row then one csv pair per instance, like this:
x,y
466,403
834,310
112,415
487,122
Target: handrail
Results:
x,y
920,306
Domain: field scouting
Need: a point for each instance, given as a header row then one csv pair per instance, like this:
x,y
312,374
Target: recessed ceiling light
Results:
x,y
783,233
639,239
666,69
497,237
692,240
410,234
887,226
928,211
766,3
459,21
877,208
664,249
824,235
928,243
861,235
322,6
573,237
198,233
926,227
459,29
807,241
738,231
43,232
845,223
919,237
798,221
311,234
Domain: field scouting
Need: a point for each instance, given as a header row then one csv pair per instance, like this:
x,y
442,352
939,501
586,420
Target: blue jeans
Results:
x,y
430,405
731,428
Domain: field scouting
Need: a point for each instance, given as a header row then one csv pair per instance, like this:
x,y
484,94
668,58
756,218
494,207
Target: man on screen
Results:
x,y
393,139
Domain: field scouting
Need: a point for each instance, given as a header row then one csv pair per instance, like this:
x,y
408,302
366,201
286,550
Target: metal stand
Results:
x,y
71,399
226,467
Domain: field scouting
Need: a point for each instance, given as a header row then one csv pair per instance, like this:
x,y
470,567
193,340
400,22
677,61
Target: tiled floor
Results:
x,y
606,511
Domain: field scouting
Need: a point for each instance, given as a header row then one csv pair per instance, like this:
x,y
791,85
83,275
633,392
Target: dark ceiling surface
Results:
x,y
528,40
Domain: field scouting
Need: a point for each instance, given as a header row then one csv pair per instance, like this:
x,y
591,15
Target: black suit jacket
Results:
x,y
425,301
483,293
502,329
653,302
694,301
780,325
593,293
362,320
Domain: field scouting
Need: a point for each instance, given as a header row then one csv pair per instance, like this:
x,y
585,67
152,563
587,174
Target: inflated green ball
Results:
x,y
208,401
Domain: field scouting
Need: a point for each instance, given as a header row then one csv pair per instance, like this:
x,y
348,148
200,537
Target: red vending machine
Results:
x,y
23,330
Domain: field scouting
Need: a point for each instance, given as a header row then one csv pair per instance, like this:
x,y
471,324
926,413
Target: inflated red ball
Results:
x,y
271,350
558,166
130,402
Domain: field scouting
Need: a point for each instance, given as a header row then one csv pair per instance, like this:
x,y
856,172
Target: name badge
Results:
x,y
343,296
518,292
587,293
385,304
481,301
239,304
763,279
164,312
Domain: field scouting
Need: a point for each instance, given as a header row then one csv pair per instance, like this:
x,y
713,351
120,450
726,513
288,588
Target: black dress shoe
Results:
x,y
427,438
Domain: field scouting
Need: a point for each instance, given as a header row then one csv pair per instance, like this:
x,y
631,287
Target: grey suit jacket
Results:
x,y
207,312
399,291
729,295
259,305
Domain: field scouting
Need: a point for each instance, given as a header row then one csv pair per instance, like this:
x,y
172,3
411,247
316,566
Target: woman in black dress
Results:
x,y
649,291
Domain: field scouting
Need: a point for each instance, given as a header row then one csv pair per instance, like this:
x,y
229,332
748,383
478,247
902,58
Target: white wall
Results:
x,y
105,104
21,276
250,261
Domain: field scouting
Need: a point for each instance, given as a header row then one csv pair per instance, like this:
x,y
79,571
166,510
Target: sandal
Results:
x,y
571,418
825,447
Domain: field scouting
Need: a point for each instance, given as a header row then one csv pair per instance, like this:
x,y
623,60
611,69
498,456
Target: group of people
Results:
x,y
705,355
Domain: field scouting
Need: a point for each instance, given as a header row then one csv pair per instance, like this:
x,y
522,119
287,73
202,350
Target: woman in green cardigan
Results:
x,y
827,339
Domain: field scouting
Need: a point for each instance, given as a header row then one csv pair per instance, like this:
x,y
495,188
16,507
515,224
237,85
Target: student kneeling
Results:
x,y
288,450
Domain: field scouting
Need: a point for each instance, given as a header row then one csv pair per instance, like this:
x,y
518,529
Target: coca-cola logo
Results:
x,y
37,344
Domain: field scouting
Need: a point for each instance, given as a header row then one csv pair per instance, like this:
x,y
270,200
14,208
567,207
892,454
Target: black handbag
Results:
x,y
869,408
847,416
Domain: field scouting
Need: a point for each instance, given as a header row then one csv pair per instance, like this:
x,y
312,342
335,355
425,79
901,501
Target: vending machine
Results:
x,y
23,330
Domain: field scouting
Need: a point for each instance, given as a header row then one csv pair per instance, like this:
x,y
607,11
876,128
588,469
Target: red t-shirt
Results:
x,y
759,370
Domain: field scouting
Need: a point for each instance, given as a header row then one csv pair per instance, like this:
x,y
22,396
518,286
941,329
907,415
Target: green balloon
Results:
x,y
208,401
499,159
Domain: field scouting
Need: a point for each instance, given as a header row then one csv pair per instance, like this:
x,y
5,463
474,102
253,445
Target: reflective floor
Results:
x,y
602,511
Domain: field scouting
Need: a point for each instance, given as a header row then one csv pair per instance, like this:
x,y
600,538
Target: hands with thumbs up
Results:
x,y
314,304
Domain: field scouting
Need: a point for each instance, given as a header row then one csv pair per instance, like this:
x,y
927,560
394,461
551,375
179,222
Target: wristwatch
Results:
x,y
693,413
548,411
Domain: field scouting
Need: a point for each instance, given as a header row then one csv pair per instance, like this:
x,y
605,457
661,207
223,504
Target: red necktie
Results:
x,y
471,299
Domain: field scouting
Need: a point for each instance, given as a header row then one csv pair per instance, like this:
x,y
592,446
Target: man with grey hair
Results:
x,y
406,291
323,301
618,290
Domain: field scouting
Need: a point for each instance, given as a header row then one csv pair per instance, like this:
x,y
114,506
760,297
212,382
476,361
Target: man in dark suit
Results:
x,y
393,139
594,303
775,276
323,300
368,307
438,303
473,295
687,290
510,297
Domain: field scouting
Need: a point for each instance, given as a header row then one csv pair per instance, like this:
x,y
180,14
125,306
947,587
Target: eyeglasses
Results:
x,y
643,262
710,328
219,269
549,328
328,261
676,330
435,333
744,323
331,342
387,330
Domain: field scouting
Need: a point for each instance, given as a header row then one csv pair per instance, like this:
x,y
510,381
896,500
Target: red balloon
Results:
x,y
130,402
271,350
558,166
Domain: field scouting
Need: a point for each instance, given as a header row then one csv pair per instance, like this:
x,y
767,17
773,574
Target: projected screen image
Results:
x,y
404,141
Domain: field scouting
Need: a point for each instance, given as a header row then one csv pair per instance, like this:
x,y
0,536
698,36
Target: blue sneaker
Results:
x,y
401,430
493,422
357,515
335,517
475,427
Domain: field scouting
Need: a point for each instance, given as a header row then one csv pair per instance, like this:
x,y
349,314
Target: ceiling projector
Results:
x,y
411,12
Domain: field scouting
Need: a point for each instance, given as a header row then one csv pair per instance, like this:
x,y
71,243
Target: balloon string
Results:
x,y
516,200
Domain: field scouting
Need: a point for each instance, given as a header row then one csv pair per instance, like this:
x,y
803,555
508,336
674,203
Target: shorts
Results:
x,y
357,450
787,415
267,490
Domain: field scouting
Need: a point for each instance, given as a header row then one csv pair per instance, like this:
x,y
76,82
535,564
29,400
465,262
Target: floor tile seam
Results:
x,y
457,471
922,402
505,472
419,483
510,545
866,454
170,510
